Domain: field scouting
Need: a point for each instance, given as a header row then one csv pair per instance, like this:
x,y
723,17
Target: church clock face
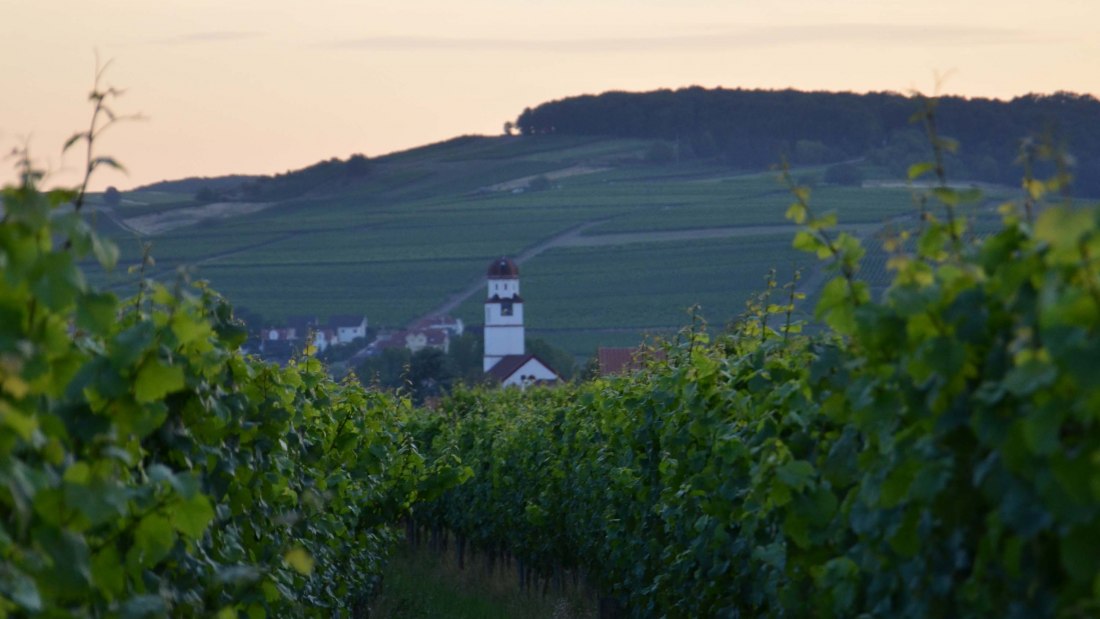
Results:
x,y
506,308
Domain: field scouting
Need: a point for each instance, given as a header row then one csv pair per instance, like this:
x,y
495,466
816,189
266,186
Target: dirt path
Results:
x,y
523,182
478,283
159,223
574,237
692,234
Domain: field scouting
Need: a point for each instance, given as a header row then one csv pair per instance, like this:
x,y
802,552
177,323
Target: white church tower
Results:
x,y
503,313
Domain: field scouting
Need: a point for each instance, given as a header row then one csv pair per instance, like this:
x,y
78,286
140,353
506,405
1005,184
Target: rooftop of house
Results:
x,y
622,360
346,321
510,364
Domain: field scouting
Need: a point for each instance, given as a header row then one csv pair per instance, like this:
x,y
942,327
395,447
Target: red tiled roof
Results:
x,y
440,321
622,360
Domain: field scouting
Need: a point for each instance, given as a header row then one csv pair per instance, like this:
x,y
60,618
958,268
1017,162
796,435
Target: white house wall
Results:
x,y
531,371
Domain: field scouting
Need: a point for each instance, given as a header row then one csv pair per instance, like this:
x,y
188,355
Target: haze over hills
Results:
x,y
624,209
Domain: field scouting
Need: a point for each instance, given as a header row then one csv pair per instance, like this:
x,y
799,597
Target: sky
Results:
x,y
265,86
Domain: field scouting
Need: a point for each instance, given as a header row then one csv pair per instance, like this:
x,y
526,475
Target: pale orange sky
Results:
x,y
263,86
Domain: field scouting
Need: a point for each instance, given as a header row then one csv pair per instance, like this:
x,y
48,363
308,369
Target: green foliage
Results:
x,y
147,468
928,454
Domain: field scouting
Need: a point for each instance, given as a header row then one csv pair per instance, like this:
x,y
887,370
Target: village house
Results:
x,y
348,328
433,335
341,329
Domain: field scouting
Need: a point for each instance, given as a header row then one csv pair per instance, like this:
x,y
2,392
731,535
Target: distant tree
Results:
x,y
112,196
253,321
703,144
388,369
754,128
466,353
508,128
357,165
843,174
430,373
591,368
810,152
252,190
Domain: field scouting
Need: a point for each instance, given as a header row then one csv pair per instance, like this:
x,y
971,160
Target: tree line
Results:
x,y
756,128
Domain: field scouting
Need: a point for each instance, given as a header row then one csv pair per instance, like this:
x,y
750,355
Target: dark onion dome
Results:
x,y
503,268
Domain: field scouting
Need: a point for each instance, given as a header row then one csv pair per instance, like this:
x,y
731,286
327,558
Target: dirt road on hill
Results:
x,y
575,237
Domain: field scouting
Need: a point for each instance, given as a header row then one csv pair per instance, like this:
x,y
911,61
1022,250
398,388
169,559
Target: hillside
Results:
x,y
758,127
613,242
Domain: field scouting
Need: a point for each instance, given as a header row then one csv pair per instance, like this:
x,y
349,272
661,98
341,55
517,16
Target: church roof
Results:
x,y
510,364
503,268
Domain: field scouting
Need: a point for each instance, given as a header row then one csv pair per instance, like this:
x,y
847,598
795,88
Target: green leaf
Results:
x,y
155,380
187,328
947,195
1041,430
1079,556
805,240
109,162
1062,228
96,312
105,251
1029,377
108,571
69,554
795,474
905,540
143,607
797,529
73,139
300,560
796,212
918,170
21,589
77,473
23,424
153,540
191,517
59,282
895,488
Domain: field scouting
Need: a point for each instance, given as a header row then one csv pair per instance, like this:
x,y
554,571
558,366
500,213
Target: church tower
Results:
x,y
503,313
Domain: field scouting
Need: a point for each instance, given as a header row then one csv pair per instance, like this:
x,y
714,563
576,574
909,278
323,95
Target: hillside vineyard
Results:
x,y
930,451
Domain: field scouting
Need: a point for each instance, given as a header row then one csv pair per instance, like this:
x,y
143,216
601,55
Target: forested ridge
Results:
x,y
754,128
